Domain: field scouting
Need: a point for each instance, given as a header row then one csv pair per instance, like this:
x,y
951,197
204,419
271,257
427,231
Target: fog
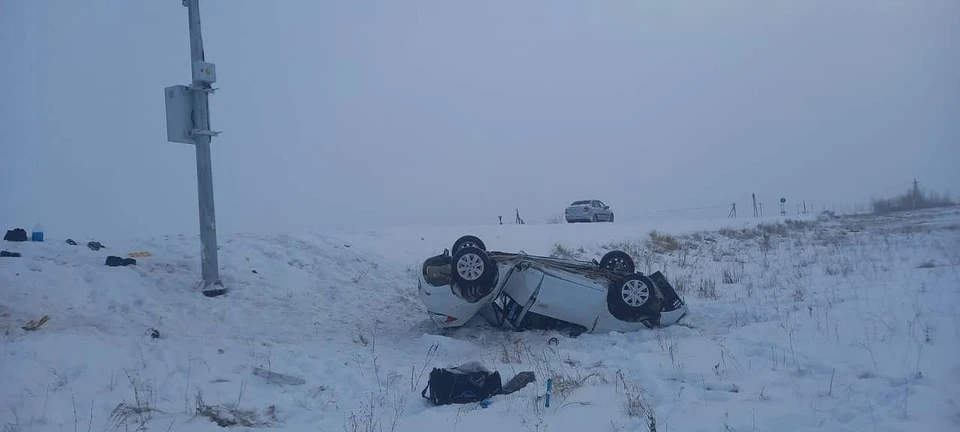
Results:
x,y
372,113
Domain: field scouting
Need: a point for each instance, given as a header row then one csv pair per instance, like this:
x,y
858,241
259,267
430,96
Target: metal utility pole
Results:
x,y
188,121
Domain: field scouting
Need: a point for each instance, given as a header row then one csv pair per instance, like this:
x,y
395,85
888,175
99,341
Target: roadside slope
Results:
x,y
843,324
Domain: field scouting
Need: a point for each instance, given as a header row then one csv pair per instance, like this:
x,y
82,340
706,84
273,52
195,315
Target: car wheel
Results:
x,y
611,217
632,298
468,240
618,261
595,218
473,272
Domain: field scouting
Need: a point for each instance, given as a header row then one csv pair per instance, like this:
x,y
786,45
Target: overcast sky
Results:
x,y
392,112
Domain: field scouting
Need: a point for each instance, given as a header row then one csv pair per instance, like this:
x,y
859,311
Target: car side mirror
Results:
x,y
606,207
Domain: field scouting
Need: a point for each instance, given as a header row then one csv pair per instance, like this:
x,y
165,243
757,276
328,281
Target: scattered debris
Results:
x,y
34,324
518,382
71,242
139,254
727,387
115,261
278,378
154,333
255,272
16,235
95,246
5,254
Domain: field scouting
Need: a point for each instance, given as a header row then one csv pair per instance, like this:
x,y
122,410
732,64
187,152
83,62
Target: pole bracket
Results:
x,y
204,132
204,89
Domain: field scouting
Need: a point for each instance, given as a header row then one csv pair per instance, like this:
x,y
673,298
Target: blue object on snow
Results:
x,y
485,403
37,234
549,387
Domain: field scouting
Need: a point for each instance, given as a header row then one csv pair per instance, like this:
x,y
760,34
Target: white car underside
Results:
x,y
515,290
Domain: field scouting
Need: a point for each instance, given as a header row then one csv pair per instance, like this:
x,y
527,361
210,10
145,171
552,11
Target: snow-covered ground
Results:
x,y
842,325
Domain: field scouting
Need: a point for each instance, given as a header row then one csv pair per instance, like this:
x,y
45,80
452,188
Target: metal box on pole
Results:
x,y
179,103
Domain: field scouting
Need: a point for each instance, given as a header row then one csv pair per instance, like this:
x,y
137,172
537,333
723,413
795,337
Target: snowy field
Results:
x,y
846,324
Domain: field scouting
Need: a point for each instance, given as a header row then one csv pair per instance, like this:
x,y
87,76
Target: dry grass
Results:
x,y
707,288
739,234
681,284
138,413
635,401
563,252
231,415
733,273
662,243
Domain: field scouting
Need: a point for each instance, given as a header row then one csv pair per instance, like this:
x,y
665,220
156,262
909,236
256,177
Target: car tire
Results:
x,y
473,272
595,218
611,217
633,298
618,261
468,240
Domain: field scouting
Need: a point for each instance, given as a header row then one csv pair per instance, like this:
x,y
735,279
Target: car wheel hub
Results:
x,y
618,264
635,293
470,267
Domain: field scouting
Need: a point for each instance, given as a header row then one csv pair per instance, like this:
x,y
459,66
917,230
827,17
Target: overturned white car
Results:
x,y
523,291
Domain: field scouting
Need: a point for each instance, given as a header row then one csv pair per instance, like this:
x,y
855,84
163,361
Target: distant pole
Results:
x,y
733,211
916,192
761,209
804,206
755,214
212,285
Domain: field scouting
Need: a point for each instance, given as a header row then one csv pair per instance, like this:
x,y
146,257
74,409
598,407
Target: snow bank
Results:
x,y
842,324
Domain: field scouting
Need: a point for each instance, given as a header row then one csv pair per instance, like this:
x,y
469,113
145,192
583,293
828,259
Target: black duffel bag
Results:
x,y
461,385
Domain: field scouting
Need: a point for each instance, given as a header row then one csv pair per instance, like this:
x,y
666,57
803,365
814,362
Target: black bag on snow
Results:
x,y
115,261
461,385
16,235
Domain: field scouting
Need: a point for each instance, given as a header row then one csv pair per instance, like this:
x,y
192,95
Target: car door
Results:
x,y
569,297
519,292
596,209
